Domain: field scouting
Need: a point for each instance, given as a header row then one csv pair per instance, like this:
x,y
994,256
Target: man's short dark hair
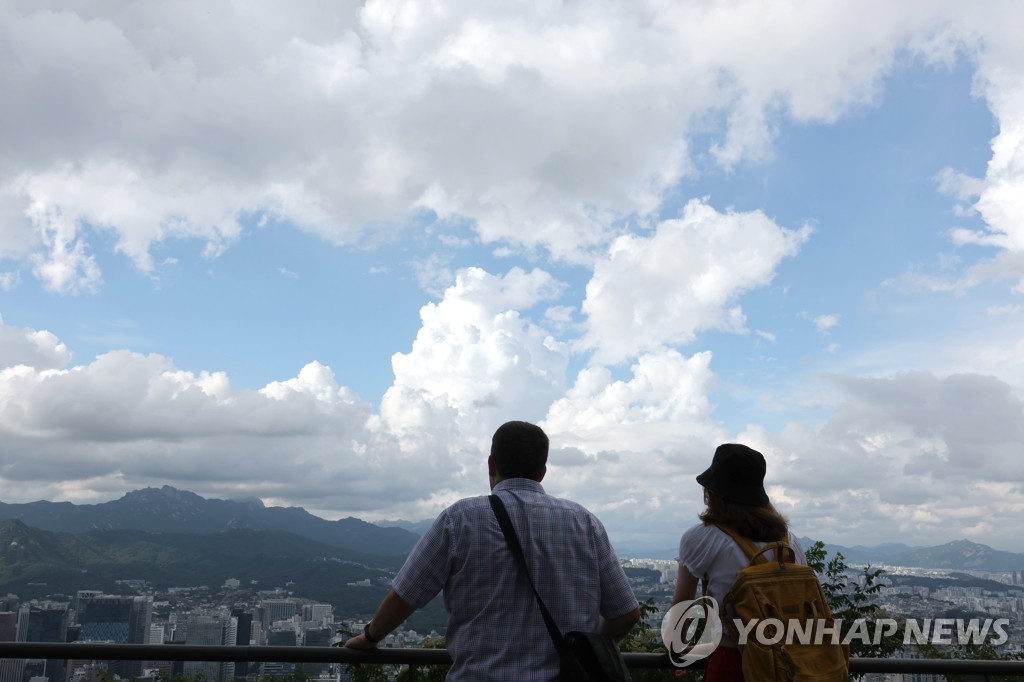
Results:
x,y
520,450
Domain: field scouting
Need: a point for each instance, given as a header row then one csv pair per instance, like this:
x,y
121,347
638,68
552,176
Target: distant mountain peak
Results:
x,y
166,491
965,544
959,554
250,502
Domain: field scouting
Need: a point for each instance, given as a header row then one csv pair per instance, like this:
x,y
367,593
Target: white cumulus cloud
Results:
x,y
656,291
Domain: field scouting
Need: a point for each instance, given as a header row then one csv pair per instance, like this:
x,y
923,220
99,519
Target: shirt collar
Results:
x,y
519,484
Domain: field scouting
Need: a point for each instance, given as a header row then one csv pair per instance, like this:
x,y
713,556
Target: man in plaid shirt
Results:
x,y
495,630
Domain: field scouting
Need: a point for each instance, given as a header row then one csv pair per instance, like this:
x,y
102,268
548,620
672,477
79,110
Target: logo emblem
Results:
x,y
691,630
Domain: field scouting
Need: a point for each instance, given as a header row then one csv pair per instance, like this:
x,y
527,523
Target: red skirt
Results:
x,y
724,665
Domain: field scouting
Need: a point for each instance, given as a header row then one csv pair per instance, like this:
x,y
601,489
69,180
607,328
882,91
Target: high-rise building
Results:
x,y
10,669
320,636
8,626
242,631
280,636
227,668
42,624
274,610
258,634
317,636
318,613
157,633
47,623
204,630
109,618
79,596
116,619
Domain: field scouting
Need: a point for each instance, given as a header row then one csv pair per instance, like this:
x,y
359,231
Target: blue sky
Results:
x,y
317,255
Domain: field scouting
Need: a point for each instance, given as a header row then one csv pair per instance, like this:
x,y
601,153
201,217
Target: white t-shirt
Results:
x,y
707,549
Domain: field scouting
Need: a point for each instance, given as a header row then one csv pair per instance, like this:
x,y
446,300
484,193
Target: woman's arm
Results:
x,y
686,585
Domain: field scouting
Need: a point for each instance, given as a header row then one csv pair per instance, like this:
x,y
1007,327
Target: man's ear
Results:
x,y
492,468
542,473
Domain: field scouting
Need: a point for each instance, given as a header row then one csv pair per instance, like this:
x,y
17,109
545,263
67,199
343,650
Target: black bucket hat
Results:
x,y
736,474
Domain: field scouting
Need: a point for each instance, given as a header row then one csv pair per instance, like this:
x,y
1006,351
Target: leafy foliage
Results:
x,y
850,600
647,640
972,652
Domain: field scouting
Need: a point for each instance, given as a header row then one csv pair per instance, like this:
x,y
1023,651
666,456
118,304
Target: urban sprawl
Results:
x,y
234,614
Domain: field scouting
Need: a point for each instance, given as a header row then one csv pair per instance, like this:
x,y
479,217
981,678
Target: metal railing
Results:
x,y
973,669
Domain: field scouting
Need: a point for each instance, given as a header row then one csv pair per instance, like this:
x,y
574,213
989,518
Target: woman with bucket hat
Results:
x,y
734,497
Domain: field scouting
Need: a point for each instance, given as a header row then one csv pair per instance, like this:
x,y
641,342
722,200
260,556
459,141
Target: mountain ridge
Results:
x,y
170,510
960,554
956,555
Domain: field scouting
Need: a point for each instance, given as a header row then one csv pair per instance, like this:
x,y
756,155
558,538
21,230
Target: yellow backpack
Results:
x,y
787,624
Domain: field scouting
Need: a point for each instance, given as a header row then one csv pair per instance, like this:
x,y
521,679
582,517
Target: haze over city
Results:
x,y
317,253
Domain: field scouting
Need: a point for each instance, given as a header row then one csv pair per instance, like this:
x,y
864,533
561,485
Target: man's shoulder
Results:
x,y
469,506
580,516
466,505
570,505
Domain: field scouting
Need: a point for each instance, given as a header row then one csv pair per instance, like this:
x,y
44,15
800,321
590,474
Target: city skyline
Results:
x,y
315,255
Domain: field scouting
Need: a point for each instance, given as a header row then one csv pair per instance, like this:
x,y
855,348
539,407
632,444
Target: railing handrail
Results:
x,y
104,651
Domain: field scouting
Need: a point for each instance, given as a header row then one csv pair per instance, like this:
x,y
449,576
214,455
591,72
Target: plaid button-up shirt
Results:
x,y
495,630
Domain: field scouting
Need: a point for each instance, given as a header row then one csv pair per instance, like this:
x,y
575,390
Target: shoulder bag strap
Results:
x,y
517,551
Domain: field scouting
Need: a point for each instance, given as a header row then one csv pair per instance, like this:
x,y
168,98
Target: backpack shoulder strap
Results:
x,y
746,544
760,555
755,554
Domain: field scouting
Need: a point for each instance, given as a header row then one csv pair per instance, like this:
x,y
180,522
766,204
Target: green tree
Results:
x,y
971,651
851,601
432,673
644,639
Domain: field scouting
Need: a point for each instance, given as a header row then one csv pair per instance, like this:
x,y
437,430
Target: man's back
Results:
x,y
495,630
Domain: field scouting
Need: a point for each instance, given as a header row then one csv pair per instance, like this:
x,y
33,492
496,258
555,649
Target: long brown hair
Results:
x,y
760,524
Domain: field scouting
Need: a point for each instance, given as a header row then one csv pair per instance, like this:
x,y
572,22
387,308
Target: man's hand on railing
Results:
x,y
391,613
360,642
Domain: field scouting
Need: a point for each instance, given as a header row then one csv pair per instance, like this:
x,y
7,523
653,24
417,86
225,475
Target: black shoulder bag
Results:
x,y
583,656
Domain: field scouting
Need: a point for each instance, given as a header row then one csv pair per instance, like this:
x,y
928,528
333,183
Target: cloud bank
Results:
x,y
560,133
